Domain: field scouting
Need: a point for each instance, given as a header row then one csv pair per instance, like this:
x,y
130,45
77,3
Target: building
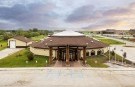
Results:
x,y
132,31
109,31
19,42
113,31
68,46
116,33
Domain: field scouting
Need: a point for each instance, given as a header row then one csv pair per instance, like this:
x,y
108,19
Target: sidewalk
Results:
x,y
6,52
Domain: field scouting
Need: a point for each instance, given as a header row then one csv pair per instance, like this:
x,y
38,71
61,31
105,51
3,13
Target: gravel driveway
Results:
x,y
6,52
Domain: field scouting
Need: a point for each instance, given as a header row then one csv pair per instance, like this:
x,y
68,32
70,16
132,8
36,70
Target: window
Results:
x,y
87,53
99,52
92,53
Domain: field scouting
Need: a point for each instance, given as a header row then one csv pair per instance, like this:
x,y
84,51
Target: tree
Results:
x,y
20,32
6,36
35,29
2,32
30,56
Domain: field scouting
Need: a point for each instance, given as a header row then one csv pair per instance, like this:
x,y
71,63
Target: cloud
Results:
x,y
117,18
107,24
83,14
6,25
66,14
31,15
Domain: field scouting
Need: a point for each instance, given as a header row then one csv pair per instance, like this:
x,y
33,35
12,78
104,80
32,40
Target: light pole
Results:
x,y
122,57
122,60
115,54
109,53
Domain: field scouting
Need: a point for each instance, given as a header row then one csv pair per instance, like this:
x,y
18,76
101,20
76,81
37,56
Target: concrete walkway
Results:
x,y
121,49
6,52
67,77
72,64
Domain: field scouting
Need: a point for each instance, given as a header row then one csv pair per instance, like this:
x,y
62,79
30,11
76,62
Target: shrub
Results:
x,y
30,56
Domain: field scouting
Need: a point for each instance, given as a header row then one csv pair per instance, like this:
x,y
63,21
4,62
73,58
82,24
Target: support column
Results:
x,y
77,53
84,55
58,54
55,54
50,55
67,55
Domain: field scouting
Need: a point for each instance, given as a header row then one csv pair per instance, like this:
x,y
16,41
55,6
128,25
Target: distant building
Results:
x,y
113,31
132,32
109,31
19,42
116,33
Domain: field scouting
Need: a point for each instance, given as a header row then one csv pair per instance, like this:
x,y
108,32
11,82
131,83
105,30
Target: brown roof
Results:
x,y
71,41
132,39
22,38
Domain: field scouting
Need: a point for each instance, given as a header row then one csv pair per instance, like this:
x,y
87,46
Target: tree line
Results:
x,y
6,34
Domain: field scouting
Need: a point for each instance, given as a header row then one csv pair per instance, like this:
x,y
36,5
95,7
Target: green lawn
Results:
x,y
19,60
38,38
110,41
98,61
3,45
97,37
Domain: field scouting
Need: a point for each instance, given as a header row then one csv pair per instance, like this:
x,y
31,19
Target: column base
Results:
x,y
84,62
67,63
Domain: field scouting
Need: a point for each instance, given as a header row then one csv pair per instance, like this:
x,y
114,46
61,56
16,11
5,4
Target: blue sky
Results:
x,y
67,14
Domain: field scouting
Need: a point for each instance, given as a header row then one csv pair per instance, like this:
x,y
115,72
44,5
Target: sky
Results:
x,y
67,14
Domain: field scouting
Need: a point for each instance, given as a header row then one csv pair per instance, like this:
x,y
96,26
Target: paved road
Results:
x,y
67,77
6,52
121,49
127,43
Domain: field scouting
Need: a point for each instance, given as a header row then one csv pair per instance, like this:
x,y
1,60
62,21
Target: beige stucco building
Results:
x,y
68,46
19,42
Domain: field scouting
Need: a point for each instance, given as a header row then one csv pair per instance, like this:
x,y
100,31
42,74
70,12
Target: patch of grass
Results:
x,y
19,60
119,58
97,61
110,41
38,38
97,37
3,44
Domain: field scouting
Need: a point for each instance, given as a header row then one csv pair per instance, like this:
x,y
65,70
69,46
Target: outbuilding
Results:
x,y
19,42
